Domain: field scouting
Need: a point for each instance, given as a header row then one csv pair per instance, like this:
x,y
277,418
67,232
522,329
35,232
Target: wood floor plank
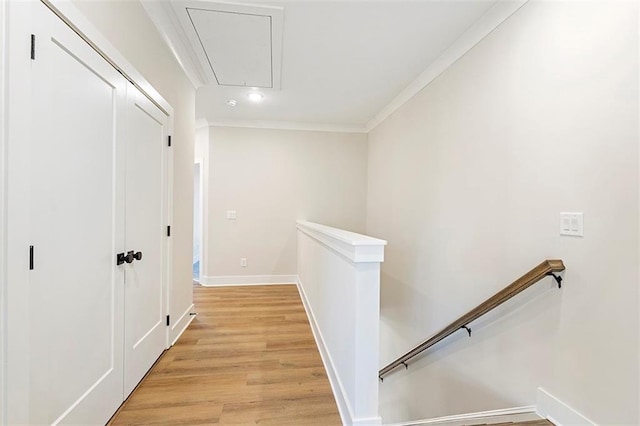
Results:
x,y
276,412
248,357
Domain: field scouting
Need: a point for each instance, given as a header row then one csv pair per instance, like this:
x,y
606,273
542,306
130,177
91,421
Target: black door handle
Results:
x,y
128,258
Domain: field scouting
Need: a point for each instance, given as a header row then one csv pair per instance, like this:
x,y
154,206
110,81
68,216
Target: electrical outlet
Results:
x,y
243,262
232,215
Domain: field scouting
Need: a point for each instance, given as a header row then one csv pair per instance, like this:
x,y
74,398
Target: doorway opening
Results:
x,y
197,221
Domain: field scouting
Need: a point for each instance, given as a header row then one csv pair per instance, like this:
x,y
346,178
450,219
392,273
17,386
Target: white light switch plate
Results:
x,y
232,215
572,224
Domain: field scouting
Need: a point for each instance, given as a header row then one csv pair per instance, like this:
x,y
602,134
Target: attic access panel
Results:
x,y
236,44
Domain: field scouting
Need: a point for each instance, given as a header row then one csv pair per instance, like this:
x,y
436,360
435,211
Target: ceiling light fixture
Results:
x,y
231,103
255,97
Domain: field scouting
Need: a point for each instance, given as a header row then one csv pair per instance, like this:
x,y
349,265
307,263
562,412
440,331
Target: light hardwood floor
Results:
x,y
540,422
249,357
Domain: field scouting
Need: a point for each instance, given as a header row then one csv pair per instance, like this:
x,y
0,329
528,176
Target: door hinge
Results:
x,y
31,258
168,231
169,140
168,320
33,46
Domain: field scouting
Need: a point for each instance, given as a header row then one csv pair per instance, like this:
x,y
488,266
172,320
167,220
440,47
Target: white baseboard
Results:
x,y
559,413
181,325
231,280
515,414
344,408
367,421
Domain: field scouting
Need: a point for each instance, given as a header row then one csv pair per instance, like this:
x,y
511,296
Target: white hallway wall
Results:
x,y
126,25
272,178
466,182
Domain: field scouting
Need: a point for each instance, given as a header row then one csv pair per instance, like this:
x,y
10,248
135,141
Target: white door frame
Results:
x,y
638,12
3,225
203,159
167,204
16,132
200,162
14,126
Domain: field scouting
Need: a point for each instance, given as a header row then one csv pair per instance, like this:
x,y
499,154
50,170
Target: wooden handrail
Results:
x,y
546,268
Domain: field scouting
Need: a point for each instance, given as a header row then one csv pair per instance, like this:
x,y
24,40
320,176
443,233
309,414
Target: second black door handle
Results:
x,y
131,256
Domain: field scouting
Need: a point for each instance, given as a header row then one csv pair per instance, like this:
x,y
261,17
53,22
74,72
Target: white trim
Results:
x,y
84,396
486,417
18,21
167,201
200,163
201,122
367,421
165,20
340,395
491,20
168,215
290,125
355,247
348,237
3,216
70,14
233,280
182,323
205,207
559,413
638,218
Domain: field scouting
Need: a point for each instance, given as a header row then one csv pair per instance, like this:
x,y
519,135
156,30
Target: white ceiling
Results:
x,y
342,62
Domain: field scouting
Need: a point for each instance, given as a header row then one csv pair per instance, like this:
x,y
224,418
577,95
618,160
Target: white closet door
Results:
x,y
77,227
146,233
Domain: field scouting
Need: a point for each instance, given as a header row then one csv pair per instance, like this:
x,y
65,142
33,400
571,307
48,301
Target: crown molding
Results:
x,y
289,125
491,20
170,29
163,16
201,123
